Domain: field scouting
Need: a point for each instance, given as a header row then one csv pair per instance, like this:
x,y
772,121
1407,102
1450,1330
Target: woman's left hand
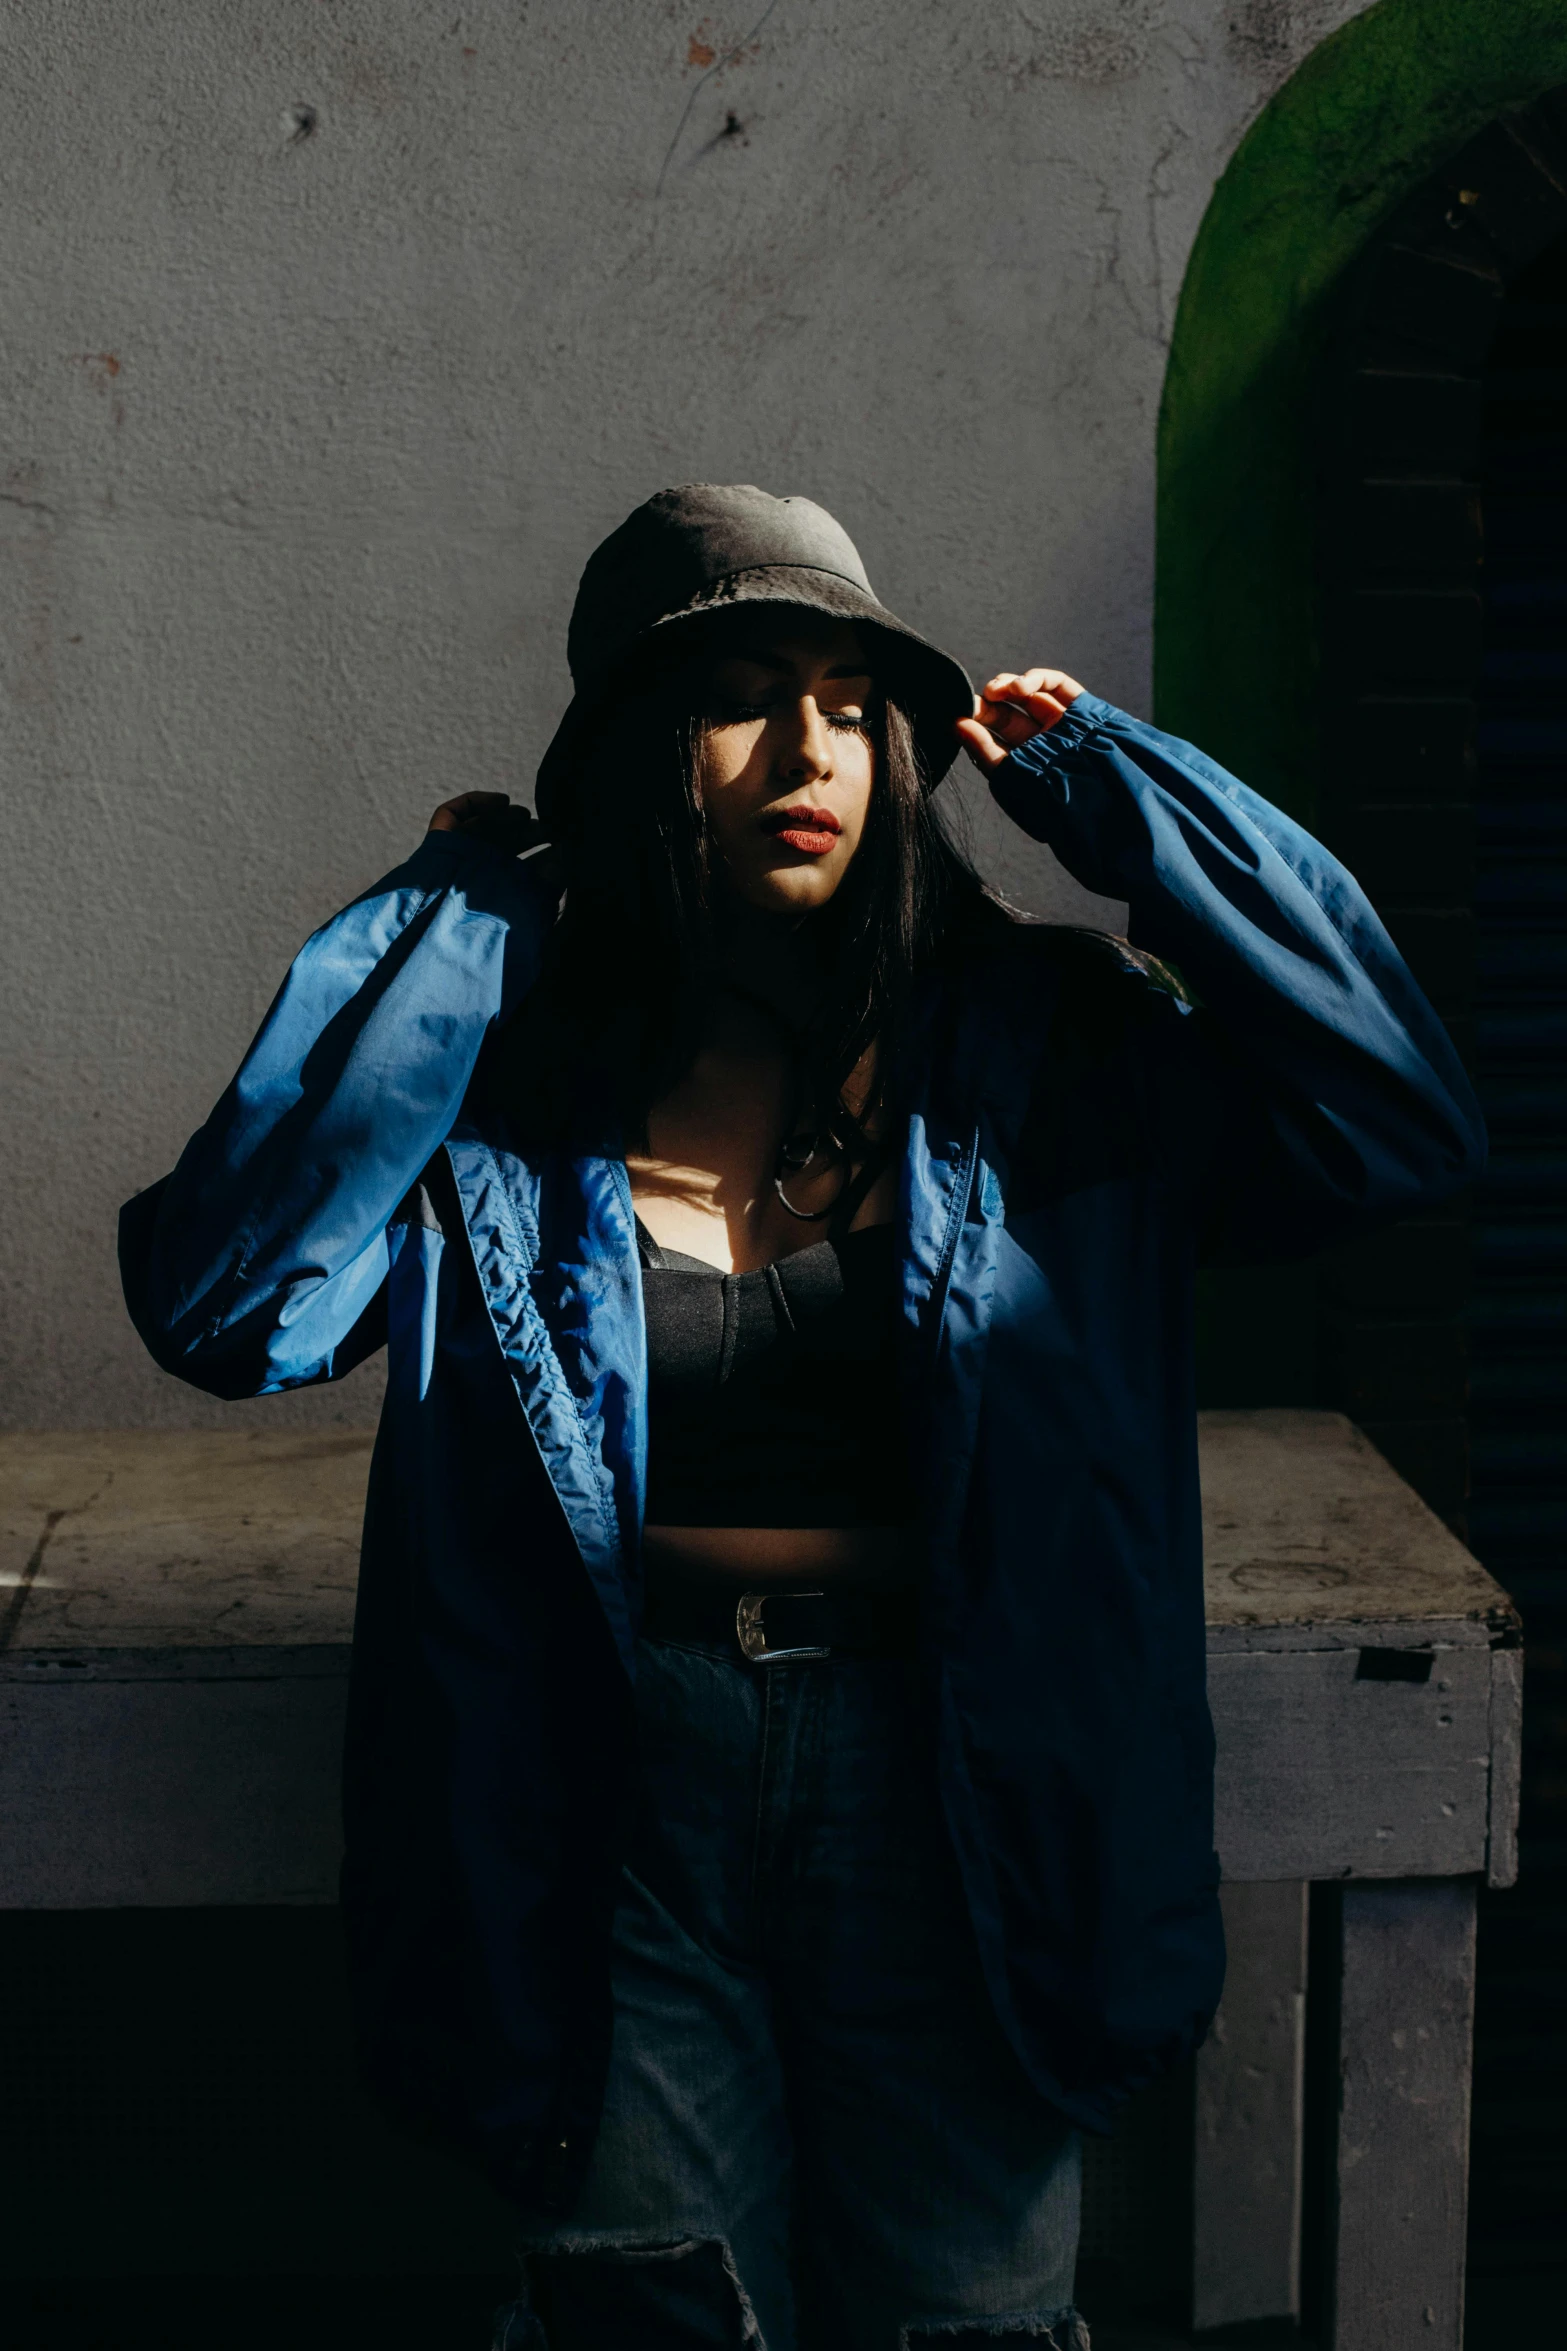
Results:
x,y
1013,706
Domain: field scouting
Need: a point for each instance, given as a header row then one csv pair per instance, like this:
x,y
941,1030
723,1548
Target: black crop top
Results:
x,y
773,1396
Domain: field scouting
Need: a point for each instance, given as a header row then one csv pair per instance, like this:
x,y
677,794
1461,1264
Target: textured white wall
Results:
x,y
338,331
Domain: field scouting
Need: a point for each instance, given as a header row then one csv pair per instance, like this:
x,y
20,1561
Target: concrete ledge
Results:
x,y
176,1610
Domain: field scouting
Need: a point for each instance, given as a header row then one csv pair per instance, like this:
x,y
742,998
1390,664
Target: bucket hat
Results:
x,y
705,547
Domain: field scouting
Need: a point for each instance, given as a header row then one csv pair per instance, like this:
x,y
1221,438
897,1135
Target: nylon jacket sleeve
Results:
x,y
258,1264
1315,1090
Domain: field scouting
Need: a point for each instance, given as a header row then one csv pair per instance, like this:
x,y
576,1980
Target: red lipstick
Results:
x,y
810,830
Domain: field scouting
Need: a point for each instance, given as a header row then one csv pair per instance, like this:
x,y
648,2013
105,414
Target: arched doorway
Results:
x,y
1238,659
1363,494
1443,585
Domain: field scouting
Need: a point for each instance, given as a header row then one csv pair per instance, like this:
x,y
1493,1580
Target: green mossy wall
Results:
x,y
1366,118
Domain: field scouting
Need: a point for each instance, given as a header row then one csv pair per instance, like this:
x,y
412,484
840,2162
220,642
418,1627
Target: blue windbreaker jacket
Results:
x,y
1082,1131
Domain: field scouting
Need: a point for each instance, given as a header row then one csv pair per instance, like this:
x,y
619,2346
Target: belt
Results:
x,y
773,1624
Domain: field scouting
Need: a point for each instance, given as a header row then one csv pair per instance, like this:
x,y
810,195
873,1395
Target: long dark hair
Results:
x,y
614,1020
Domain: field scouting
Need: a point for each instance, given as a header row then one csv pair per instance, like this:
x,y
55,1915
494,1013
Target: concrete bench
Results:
x,y
175,1614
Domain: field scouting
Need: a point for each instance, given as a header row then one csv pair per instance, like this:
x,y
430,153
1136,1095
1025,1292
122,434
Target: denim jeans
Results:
x,y
815,2137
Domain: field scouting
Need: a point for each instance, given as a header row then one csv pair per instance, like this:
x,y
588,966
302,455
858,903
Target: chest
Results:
x,y
773,1395
738,1169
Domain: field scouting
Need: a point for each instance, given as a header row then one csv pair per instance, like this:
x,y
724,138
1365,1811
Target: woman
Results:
x,y
779,1776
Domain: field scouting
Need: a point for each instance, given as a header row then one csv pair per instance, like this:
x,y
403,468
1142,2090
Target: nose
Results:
x,y
806,753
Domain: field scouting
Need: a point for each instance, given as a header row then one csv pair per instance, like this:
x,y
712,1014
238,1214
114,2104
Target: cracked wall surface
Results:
x,y
336,335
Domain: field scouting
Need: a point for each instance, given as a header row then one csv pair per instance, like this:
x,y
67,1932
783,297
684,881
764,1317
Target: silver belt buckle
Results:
x,y
752,1637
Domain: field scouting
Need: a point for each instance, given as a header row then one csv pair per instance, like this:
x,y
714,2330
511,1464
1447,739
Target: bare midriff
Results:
x,y
747,1556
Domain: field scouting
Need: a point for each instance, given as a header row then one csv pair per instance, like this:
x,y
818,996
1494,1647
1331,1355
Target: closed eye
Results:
x,y
734,714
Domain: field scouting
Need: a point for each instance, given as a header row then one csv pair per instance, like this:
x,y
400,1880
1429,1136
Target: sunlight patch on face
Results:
x,y
788,762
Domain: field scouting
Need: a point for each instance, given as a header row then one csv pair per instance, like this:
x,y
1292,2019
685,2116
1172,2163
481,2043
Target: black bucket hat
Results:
x,y
707,546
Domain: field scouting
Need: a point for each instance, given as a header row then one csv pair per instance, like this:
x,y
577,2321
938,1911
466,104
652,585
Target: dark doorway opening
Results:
x,y
1517,1319
1444,786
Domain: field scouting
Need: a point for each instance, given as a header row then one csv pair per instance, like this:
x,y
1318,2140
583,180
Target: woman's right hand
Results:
x,y
491,817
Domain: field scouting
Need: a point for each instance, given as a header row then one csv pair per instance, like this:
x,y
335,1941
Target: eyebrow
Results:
x,y
751,653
